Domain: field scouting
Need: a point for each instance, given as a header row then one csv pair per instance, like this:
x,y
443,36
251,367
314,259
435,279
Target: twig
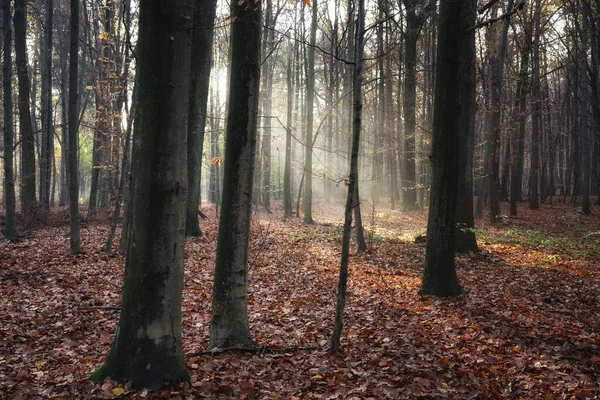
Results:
x,y
261,350
506,15
112,308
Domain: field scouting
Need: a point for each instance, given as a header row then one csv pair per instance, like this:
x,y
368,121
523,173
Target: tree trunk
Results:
x,y
73,160
287,173
229,325
10,228
147,349
204,17
310,101
47,153
352,179
409,181
535,110
464,236
26,130
455,18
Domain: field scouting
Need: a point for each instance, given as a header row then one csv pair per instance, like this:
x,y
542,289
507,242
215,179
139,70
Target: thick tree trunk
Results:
x,y
204,17
440,277
10,228
28,171
73,160
229,325
147,349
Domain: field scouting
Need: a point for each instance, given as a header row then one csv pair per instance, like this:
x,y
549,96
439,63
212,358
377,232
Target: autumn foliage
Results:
x,y
528,327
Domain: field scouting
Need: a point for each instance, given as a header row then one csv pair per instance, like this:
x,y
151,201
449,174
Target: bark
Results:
x,y
10,228
465,240
229,325
583,119
147,349
535,111
47,152
287,173
518,140
28,170
440,277
204,17
310,100
73,164
352,179
269,35
409,181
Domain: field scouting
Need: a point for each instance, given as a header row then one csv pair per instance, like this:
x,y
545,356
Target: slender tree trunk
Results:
x,y
147,349
204,17
310,96
287,173
47,153
25,128
229,325
352,179
409,180
73,142
535,110
10,228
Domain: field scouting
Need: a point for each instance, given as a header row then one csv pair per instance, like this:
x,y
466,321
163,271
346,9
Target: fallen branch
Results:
x,y
263,349
112,308
202,215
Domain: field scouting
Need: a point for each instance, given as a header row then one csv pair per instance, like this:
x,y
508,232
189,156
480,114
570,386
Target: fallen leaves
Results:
x,y
529,327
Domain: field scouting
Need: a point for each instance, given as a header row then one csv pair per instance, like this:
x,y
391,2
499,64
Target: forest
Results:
x,y
300,199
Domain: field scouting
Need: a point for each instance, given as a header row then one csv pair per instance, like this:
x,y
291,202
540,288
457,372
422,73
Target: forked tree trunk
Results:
x,y
147,349
229,325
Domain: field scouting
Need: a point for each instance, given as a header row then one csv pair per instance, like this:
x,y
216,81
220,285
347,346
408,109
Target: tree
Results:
x,y
25,127
9,129
147,347
73,161
287,174
229,324
456,17
414,20
47,153
352,179
204,17
464,238
310,101
535,110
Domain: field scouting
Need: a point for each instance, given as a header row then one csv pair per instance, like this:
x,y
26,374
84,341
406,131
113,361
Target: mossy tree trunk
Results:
x,y
310,101
147,347
204,18
440,277
229,325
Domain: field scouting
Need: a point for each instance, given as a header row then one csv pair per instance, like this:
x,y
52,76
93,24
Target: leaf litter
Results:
x,y
528,328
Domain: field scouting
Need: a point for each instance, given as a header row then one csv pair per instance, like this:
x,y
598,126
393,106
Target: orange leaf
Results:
x,y
307,2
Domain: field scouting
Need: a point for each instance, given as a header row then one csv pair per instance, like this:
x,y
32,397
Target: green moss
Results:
x,y
99,374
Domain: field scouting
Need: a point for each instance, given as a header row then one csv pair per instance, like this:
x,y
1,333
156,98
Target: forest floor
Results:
x,y
529,326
